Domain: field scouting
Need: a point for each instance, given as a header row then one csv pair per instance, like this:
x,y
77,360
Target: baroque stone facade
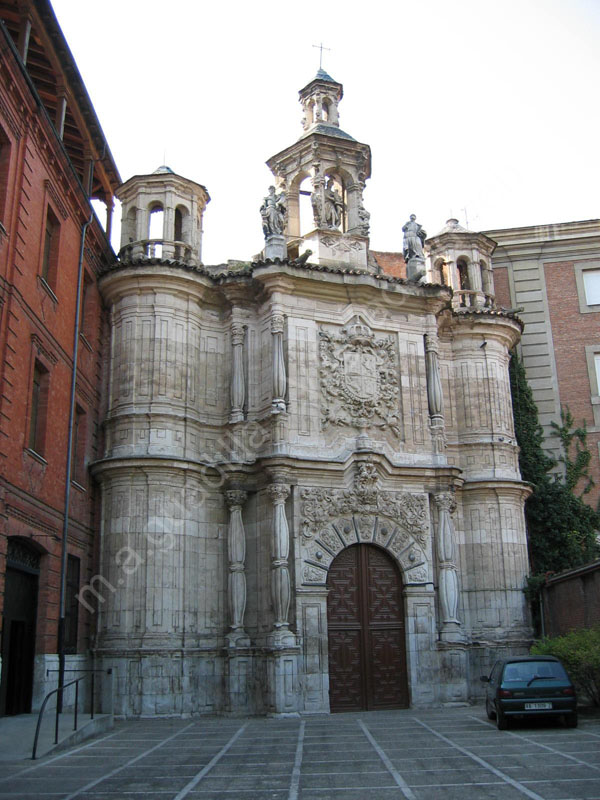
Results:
x,y
266,420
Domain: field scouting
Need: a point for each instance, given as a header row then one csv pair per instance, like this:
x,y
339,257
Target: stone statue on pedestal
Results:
x,y
412,248
273,212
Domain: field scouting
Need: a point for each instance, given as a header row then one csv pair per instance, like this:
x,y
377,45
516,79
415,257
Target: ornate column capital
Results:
x,y
277,323
235,498
238,333
279,492
445,501
431,343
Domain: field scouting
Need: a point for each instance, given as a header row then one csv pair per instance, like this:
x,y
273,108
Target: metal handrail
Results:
x,y
58,705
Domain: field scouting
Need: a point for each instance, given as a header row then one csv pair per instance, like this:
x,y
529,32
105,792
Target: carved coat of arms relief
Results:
x,y
359,378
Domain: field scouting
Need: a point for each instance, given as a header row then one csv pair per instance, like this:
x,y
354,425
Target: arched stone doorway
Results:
x,y
366,631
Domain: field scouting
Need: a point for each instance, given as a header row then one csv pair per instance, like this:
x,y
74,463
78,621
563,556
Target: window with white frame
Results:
x,y
597,365
591,284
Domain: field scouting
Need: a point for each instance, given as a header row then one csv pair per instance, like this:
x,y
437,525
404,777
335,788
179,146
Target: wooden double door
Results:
x,y
367,638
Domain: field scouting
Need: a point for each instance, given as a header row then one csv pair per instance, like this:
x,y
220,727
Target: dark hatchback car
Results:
x,y
529,686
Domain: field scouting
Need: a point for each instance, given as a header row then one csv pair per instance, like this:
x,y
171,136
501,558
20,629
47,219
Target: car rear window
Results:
x,y
526,670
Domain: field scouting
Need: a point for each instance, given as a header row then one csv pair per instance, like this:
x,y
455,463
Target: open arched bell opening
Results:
x,y
464,283
366,631
155,231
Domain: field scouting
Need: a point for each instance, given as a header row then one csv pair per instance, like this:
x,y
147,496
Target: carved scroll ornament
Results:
x,y
320,506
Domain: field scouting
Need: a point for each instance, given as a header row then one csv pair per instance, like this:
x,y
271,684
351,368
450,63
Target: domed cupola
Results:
x,y
161,217
462,259
319,100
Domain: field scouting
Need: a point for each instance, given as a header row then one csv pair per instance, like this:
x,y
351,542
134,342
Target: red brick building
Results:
x,y
552,272
53,161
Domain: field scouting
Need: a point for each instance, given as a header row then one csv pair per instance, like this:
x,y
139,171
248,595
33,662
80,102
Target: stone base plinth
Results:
x,y
275,247
453,683
415,269
335,249
282,677
239,673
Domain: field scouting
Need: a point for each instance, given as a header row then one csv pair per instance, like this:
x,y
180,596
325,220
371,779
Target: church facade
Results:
x,y
311,499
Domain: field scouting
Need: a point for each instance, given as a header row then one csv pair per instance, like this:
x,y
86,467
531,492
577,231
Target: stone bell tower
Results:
x,y
177,204
338,167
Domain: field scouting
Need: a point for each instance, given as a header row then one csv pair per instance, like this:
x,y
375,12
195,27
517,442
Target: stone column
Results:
x,y
474,271
447,572
236,586
279,376
280,575
282,663
239,662
237,389
435,397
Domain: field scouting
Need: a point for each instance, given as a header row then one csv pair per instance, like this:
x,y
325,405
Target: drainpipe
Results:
x,y
65,530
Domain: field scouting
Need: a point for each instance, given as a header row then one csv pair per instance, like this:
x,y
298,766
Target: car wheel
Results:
x,y
491,714
571,720
501,721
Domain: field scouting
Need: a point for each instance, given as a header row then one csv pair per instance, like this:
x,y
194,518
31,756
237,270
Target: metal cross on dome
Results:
x,y
321,48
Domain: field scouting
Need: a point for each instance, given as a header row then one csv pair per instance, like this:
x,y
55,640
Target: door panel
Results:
x,y
18,641
365,613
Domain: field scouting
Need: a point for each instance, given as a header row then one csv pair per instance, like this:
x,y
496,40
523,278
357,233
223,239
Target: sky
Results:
x,y
482,110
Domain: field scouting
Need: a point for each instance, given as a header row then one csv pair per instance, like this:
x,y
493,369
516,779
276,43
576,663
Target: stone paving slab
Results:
x,y
453,754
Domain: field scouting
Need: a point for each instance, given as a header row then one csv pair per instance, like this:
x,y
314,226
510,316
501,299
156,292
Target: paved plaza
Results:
x,y
419,755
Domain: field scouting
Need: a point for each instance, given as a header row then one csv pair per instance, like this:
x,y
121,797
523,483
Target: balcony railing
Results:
x,y
159,248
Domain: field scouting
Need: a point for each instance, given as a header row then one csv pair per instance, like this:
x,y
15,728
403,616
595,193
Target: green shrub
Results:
x,y
579,651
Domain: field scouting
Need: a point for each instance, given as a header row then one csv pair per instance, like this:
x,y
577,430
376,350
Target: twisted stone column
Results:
x,y
236,549
279,376
447,572
435,397
237,389
280,548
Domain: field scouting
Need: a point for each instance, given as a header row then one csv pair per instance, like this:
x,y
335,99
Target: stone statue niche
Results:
x,y
328,205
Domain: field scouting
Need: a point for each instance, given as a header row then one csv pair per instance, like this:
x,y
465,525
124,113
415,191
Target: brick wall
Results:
x,y
391,263
572,600
37,323
502,287
572,331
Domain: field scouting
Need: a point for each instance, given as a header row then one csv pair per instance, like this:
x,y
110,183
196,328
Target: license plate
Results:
x,y
538,706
